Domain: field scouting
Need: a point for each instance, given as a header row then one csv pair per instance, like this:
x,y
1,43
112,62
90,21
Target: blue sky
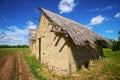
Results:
x,y
102,16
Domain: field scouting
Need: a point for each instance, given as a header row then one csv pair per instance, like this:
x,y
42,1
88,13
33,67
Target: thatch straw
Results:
x,y
78,32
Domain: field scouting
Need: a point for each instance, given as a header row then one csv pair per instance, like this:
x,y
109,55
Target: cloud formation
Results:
x,y
100,9
66,6
14,35
108,31
31,25
117,15
97,20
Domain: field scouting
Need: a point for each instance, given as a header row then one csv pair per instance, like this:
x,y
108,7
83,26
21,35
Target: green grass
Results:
x,y
34,65
4,51
112,65
106,68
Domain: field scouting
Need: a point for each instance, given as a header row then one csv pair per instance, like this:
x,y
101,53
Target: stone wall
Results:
x,y
32,41
32,47
54,51
59,53
81,56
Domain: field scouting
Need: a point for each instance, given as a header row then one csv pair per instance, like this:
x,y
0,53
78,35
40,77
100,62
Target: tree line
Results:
x,y
14,46
115,45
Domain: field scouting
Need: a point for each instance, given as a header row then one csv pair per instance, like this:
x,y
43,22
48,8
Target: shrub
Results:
x,y
115,46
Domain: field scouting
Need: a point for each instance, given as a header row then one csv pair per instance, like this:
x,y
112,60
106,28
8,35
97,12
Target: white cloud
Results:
x,y
31,25
66,6
97,20
14,35
117,15
100,9
14,30
108,31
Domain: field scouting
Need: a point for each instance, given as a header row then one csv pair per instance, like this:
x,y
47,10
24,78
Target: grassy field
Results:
x,y
106,68
4,51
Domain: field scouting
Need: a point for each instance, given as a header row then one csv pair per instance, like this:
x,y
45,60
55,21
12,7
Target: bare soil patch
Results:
x,y
14,68
6,67
24,69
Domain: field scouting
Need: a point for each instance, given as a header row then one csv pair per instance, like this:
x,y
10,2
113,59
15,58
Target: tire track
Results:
x,y
6,71
24,69
13,66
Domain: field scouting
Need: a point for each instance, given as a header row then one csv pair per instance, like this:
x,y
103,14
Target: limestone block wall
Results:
x,y
83,55
52,56
59,53
39,35
33,48
37,49
79,57
54,50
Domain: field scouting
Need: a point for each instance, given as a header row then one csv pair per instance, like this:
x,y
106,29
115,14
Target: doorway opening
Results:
x,y
40,49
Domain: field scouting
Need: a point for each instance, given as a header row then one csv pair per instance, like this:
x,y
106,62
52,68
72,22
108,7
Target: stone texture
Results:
x,y
59,53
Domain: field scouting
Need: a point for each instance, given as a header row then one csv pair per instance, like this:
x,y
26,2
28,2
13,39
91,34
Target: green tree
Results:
x,y
116,44
119,35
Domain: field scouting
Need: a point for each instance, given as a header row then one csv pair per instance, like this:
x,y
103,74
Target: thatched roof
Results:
x,y
78,32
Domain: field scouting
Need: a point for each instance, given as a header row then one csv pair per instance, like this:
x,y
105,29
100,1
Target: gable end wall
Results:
x,y
54,49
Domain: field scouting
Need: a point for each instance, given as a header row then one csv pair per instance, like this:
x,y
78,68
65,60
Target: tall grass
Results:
x,y
34,65
112,67
106,68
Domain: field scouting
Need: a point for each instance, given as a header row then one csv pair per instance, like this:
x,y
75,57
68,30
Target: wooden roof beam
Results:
x,y
56,31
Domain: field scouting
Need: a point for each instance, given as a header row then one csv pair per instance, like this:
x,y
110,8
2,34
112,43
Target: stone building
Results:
x,y
32,41
63,45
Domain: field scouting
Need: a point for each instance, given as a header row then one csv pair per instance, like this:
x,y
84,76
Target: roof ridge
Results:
x,y
78,32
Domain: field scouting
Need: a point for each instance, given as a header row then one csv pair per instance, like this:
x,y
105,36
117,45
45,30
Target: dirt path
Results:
x,y
6,67
24,69
14,68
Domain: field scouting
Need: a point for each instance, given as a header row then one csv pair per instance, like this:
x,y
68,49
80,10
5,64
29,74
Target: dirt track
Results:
x,y
14,68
